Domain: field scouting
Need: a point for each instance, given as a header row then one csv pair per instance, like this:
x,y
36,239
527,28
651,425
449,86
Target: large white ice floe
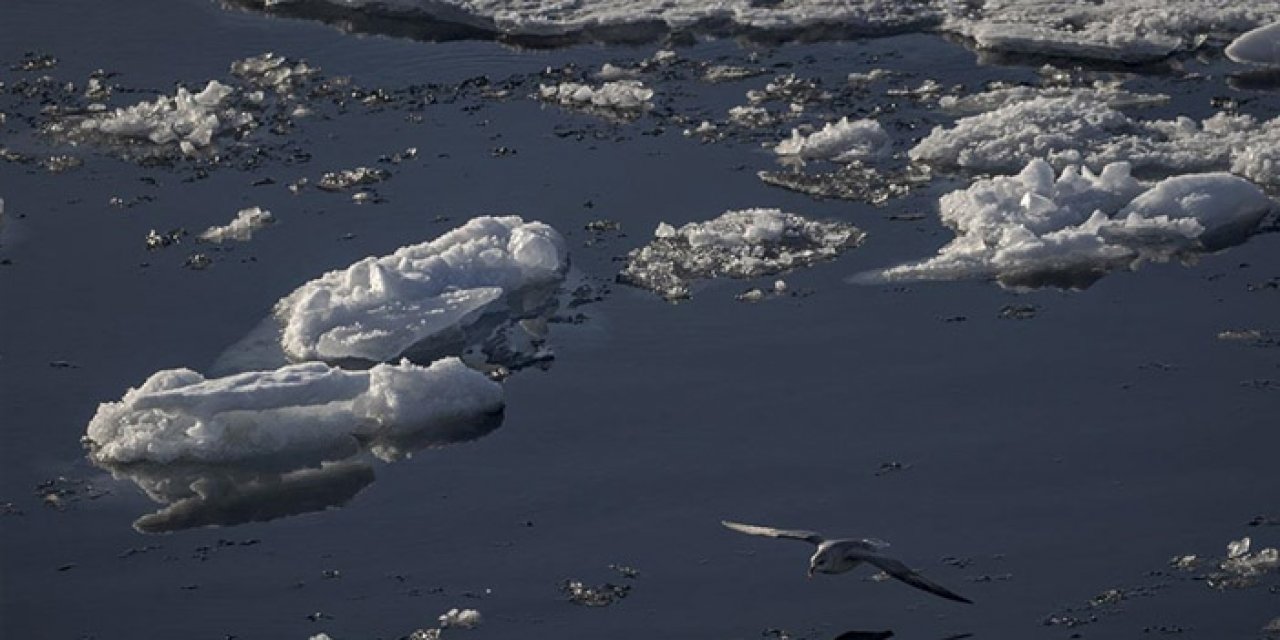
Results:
x,y
1082,128
240,228
1123,30
178,415
188,120
1035,229
378,308
620,96
738,244
843,141
1260,46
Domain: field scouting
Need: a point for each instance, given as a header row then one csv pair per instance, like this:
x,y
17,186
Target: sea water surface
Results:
x,y
1047,467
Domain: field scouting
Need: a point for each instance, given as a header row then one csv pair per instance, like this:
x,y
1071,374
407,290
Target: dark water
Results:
x,y
1058,457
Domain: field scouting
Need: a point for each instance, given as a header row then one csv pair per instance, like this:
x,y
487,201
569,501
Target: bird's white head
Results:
x,y
820,562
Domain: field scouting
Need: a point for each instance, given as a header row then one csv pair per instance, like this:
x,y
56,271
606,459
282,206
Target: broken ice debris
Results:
x,y
624,97
1260,46
187,120
852,181
378,308
738,244
178,415
842,141
241,228
597,596
1082,127
1037,230
348,178
460,619
270,70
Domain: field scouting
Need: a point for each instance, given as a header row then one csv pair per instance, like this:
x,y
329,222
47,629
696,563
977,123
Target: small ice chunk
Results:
x,y
1237,548
843,141
864,79
1260,46
178,415
241,228
379,307
188,118
349,178
623,96
738,244
460,619
610,72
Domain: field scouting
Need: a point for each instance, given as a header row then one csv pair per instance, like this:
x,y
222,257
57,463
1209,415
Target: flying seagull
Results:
x,y
839,556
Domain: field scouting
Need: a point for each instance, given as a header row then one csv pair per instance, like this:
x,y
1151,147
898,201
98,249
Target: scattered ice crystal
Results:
x,y
598,596
241,228
349,178
178,415
460,619
378,308
738,244
189,120
1260,46
1035,230
842,141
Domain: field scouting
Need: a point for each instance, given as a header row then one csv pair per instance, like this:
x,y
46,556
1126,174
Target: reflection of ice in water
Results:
x,y
738,244
264,445
1034,229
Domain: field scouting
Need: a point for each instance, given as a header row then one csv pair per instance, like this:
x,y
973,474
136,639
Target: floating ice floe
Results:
x,y
241,228
1260,46
852,181
738,244
621,96
1037,230
1082,128
1122,30
189,120
378,308
1111,94
179,416
843,141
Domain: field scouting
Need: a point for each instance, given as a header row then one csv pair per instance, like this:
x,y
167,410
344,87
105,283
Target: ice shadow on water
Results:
x,y
888,633
1255,80
269,488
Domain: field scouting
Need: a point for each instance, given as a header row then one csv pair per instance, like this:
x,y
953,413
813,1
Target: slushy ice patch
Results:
x,y
1035,230
188,121
1084,128
738,244
378,308
178,415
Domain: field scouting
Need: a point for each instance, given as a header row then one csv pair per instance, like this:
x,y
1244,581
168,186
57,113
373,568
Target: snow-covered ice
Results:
x,y
1035,229
189,120
1260,46
178,415
843,141
1111,94
622,96
378,308
738,244
460,619
241,228
1083,128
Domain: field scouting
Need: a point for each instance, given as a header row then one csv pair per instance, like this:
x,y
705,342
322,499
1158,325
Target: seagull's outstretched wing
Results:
x,y
909,576
811,537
